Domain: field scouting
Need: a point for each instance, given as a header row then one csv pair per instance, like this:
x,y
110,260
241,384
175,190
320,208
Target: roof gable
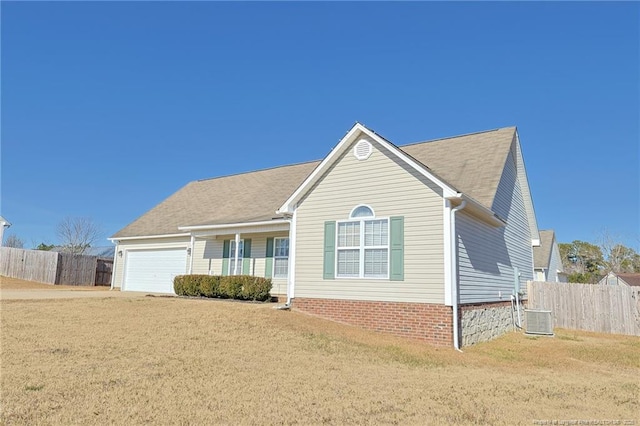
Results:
x,y
356,132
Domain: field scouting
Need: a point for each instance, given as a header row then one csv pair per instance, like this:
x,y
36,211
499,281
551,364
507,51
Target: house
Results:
x,y
620,279
4,223
547,262
429,240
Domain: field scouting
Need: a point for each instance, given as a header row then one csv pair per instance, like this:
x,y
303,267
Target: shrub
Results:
x,y
178,284
256,288
231,286
242,287
191,285
210,286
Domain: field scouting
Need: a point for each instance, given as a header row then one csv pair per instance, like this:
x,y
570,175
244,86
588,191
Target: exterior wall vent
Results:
x,y
362,150
538,322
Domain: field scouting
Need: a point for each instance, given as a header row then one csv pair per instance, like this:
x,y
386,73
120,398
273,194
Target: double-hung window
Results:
x,y
362,249
232,257
281,257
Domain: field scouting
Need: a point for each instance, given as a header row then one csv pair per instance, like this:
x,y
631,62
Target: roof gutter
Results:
x,y
479,211
232,225
146,237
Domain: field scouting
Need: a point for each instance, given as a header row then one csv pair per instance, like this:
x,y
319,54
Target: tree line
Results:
x,y
584,262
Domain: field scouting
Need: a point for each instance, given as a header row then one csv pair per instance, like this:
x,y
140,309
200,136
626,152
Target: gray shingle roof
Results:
x,y
542,253
246,197
472,164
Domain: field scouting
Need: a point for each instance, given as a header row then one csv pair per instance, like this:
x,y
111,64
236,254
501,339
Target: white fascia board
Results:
x,y
232,225
147,237
289,206
356,130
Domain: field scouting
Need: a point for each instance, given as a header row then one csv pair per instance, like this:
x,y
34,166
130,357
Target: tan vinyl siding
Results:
x,y
391,189
488,255
208,257
143,244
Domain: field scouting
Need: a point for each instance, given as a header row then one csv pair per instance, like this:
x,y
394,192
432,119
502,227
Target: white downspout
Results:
x,y
454,275
235,266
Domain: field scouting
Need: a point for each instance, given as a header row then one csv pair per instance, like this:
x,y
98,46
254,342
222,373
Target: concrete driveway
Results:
x,y
33,294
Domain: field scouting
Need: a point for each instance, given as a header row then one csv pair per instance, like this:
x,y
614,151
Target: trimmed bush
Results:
x,y
256,288
191,285
210,286
231,286
178,284
243,287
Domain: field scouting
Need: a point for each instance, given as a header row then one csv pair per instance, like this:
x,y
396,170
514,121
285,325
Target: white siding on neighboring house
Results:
x,y
392,189
555,264
142,244
207,257
487,256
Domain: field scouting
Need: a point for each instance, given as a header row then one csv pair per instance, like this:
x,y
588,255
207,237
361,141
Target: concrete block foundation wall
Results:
x,y
428,322
485,321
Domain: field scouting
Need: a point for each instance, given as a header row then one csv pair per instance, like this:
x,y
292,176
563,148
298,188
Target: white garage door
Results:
x,y
154,270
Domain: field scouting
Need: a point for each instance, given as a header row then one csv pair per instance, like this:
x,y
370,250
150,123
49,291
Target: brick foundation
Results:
x,y
428,322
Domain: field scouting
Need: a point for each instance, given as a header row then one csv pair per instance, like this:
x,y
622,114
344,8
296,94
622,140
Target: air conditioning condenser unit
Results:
x,y
538,322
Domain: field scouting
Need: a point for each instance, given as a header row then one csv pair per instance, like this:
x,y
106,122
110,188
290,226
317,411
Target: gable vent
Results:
x,y
538,322
362,150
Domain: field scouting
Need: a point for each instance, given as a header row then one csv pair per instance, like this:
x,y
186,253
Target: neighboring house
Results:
x,y
4,223
428,240
620,279
546,259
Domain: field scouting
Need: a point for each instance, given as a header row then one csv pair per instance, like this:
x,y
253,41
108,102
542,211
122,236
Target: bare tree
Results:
x,y
618,258
13,241
77,234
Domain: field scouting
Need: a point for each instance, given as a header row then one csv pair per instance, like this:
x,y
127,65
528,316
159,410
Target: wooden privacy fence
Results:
x,y
52,267
31,265
591,307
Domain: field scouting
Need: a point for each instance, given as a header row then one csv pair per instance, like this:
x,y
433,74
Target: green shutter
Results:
x,y
225,256
246,261
329,271
396,237
268,262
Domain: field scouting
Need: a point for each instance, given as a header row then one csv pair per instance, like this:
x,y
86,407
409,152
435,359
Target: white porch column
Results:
x,y
291,273
191,250
235,266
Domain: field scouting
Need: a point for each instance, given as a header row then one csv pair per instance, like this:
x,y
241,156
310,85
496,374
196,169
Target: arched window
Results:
x,y
362,211
362,249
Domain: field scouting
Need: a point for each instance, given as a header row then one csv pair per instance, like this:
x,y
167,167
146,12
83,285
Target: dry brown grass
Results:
x,y
178,361
18,284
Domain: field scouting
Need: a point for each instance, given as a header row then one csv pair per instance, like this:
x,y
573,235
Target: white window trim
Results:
x,y
361,248
273,272
233,258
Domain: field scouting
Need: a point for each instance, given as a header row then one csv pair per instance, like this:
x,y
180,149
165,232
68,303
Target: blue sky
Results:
x,y
108,108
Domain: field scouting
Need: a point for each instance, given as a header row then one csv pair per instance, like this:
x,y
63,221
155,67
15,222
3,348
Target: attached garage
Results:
x,y
153,270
